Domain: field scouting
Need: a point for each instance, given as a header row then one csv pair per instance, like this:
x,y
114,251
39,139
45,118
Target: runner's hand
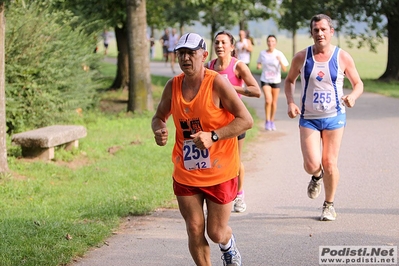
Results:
x,y
203,140
161,136
348,101
293,110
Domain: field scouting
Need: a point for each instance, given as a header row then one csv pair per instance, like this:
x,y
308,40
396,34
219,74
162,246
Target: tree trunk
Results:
x,y
293,42
3,148
214,29
243,23
392,70
122,71
140,93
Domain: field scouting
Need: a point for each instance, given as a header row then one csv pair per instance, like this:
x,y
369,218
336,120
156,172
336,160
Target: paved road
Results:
x,y
281,226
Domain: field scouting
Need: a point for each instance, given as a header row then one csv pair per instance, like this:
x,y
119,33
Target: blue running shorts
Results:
x,y
321,124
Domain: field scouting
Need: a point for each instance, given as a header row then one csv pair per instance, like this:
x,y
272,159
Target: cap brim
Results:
x,y
187,47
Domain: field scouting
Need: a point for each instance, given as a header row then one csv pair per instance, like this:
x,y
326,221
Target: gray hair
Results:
x,y
318,17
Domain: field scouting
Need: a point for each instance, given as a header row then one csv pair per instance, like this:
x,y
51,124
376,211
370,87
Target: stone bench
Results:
x,y
40,143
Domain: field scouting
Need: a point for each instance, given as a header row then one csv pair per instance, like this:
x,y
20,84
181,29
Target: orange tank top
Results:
x,y
192,166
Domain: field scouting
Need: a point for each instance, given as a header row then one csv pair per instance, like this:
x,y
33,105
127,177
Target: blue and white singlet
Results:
x,y
322,87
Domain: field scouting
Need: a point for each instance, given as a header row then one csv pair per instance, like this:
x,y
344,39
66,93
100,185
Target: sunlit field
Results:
x,y
370,65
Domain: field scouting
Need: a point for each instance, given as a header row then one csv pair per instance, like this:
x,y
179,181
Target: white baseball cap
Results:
x,y
191,41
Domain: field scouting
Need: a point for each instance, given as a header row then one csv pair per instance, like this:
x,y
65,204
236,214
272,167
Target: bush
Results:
x,y
48,62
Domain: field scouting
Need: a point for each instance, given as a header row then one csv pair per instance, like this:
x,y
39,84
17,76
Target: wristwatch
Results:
x,y
215,136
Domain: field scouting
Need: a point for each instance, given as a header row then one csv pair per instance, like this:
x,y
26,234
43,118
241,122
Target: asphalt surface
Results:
x,y
281,224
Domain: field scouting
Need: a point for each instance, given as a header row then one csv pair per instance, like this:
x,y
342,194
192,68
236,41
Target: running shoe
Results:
x,y
273,126
314,187
268,126
232,256
239,204
328,213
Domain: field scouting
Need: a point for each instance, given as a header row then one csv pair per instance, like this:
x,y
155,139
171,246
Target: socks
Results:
x,y
327,203
225,247
317,178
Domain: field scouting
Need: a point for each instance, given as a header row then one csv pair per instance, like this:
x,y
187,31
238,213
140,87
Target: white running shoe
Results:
x,y
328,213
232,256
239,204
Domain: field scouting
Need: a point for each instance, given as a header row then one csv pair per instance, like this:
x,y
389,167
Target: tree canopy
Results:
x,y
47,57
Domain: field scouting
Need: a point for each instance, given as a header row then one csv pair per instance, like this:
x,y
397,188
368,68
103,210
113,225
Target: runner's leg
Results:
x,y
274,95
191,208
311,150
331,140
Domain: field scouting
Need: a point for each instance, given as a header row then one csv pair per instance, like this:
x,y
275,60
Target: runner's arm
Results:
x,y
161,115
353,76
251,86
290,81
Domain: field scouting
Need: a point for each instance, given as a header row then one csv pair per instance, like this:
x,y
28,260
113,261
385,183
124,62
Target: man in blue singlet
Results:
x,y
322,67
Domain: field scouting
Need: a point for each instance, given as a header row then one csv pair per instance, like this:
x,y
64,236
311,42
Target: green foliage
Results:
x,y
181,13
219,14
47,67
86,12
155,13
293,15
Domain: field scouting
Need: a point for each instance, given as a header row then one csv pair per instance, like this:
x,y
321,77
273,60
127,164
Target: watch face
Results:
x,y
215,137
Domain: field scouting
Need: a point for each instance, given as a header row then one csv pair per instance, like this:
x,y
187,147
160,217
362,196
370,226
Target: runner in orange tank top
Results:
x,y
208,117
